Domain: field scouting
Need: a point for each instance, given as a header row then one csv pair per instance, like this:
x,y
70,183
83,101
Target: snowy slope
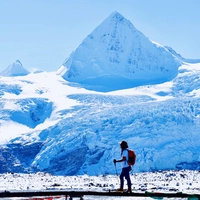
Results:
x,y
116,56
15,69
48,124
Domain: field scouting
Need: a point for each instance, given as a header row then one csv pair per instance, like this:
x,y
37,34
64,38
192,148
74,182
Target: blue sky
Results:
x,y
43,33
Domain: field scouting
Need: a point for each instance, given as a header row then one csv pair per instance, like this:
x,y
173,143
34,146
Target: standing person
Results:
x,y
125,167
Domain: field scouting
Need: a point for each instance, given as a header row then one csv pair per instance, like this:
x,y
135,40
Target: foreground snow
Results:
x,y
186,181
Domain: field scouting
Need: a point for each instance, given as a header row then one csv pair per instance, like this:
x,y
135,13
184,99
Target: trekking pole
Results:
x,y
116,169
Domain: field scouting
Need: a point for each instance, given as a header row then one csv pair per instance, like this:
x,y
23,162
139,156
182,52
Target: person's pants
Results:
x,y
125,173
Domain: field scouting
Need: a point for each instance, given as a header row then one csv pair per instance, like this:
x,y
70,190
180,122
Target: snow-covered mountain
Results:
x,y
52,125
48,125
15,69
116,55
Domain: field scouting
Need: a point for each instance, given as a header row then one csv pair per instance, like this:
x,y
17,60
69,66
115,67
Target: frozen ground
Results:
x,y
185,181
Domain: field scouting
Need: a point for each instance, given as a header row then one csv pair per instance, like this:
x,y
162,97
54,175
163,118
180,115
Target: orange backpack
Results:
x,y
131,157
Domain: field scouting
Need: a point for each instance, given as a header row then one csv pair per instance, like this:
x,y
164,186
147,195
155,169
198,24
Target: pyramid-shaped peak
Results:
x,y
116,55
15,69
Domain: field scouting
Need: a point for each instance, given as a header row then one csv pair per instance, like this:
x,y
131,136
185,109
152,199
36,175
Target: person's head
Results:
x,y
123,145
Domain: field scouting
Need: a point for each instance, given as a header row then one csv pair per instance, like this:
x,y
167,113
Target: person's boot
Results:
x,y
120,190
129,190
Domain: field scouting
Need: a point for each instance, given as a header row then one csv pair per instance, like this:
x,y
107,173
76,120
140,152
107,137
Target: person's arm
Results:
x,y
121,160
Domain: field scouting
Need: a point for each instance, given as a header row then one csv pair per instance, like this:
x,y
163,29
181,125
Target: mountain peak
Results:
x,y
15,69
116,56
18,61
116,15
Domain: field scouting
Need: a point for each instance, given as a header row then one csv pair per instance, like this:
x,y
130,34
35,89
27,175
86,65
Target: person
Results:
x,y
125,167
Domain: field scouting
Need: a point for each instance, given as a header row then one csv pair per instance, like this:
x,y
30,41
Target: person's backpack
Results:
x,y
131,157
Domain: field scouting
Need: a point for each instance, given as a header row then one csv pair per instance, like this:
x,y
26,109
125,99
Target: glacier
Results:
x,y
71,125
77,130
